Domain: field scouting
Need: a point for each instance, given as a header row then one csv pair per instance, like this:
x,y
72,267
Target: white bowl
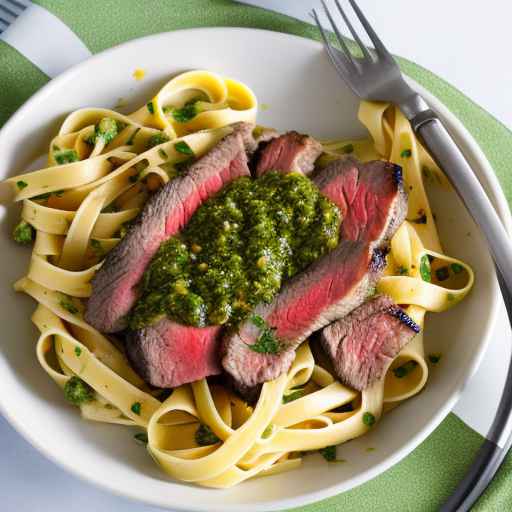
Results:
x,y
293,77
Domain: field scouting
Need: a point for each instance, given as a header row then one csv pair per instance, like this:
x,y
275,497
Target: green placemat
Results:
x,y
423,479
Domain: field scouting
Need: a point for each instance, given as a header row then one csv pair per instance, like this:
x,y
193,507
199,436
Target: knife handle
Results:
x,y
449,157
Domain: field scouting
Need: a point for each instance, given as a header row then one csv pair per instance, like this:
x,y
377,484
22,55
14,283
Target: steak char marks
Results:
x,y
287,153
362,345
165,214
334,285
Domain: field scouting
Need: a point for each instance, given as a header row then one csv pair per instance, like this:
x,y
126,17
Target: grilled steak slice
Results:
x,y
335,284
289,152
363,344
363,193
164,215
168,354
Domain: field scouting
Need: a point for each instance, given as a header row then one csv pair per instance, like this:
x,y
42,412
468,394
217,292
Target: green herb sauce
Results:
x,y
77,391
23,233
236,251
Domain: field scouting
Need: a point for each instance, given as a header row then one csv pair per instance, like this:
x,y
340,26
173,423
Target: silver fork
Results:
x,y
376,76
10,10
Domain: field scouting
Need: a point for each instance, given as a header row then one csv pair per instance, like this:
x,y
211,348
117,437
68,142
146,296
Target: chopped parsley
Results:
x,y
136,407
434,358
204,436
329,454
78,351
406,153
23,233
268,431
141,438
405,369
185,113
442,273
67,304
294,395
151,108
456,268
162,154
349,148
66,156
157,139
106,130
425,268
129,142
267,343
368,419
402,271
183,147
77,391
258,322
21,184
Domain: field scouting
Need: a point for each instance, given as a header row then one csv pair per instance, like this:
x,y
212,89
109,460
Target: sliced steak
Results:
x,y
362,345
363,193
335,284
168,354
289,152
113,287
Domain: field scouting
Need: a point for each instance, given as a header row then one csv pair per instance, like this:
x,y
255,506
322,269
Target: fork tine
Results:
x,y
379,45
355,35
8,11
17,4
4,22
340,66
343,45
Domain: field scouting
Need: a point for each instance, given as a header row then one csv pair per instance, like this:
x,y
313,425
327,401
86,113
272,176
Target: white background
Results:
x,y
462,41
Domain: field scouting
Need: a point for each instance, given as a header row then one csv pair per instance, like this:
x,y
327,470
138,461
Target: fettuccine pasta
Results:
x,y
102,166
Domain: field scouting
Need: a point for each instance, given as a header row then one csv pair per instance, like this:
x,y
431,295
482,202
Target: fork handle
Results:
x,y
450,158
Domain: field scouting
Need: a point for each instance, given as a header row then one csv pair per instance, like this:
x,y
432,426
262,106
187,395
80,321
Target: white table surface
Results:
x,y
460,41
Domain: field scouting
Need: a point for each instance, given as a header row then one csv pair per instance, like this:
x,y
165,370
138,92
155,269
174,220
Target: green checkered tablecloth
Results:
x,y
428,475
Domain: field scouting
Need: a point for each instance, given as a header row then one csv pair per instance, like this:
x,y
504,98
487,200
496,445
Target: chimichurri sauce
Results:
x,y
237,250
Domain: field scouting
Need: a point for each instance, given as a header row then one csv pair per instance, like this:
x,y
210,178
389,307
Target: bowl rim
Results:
x,y
489,181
